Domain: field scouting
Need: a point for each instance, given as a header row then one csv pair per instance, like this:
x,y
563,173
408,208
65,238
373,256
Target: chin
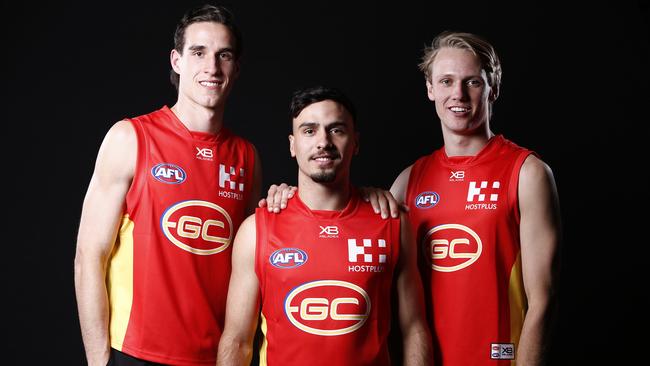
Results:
x,y
323,177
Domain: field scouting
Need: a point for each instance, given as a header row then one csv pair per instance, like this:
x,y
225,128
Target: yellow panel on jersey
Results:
x,y
265,342
120,283
518,302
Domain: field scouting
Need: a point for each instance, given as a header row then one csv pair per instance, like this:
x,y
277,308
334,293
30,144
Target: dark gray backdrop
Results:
x,y
575,89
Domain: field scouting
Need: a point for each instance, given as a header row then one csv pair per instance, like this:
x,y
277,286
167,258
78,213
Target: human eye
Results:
x,y
474,82
308,131
197,53
226,56
337,131
445,82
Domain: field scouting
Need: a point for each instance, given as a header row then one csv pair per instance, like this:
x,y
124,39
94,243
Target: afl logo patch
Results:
x,y
168,173
199,227
288,258
427,200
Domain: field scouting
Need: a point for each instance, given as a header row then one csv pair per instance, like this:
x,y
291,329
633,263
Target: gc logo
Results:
x,y
199,227
327,307
451,247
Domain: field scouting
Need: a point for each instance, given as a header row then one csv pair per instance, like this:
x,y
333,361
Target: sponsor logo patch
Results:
x,y
328,232
457,176
502,351
478,194
204,153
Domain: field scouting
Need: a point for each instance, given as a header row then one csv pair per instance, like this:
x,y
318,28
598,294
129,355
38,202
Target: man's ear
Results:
x,y
291,148
430,91
174,59
494,94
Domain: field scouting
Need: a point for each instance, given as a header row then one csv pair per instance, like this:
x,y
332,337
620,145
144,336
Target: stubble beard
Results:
x,y
323,177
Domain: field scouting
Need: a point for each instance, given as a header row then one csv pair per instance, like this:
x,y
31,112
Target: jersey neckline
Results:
x,y
195,135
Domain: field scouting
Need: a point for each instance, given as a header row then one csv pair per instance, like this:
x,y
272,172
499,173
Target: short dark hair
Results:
x,y
302,98
205,13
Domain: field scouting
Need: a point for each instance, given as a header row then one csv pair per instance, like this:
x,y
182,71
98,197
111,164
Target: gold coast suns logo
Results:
x,y
451,247
199,227
327,307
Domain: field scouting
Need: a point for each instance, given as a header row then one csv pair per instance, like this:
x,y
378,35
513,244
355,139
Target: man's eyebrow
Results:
x,y
308,124
196,47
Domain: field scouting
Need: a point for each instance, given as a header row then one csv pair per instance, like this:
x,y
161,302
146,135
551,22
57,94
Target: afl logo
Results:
x,y
451,247
168,173
327,307
288,258
199,227
427,199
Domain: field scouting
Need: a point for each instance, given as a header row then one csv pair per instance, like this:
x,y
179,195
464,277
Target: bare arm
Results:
x,y
242,307
400,185
257,185
415,333
540,237
100,219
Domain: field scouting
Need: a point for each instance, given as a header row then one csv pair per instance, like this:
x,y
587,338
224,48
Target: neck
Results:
x,y
198,118
466,144
319,196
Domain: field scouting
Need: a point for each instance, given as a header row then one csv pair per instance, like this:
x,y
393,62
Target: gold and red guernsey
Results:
x,y
464,211
325,281
168,274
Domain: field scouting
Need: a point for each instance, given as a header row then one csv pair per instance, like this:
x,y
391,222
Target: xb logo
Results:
x,y
329,230
204,154
451,247
457,176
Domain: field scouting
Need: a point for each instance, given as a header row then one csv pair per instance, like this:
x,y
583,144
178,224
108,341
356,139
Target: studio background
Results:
x,y
575,89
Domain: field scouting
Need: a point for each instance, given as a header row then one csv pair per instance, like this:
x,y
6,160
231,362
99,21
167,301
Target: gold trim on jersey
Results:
x,y
265,341
518,302
120,283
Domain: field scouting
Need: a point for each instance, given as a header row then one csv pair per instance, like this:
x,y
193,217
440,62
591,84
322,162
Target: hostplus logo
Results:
x,y
232,181
482,195
367,256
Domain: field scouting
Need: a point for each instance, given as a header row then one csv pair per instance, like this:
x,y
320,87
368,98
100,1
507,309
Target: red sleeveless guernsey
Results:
x,y
465,214
325,284
168,274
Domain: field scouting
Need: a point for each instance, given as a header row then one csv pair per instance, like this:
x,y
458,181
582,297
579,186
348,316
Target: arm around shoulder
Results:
x,y
540,235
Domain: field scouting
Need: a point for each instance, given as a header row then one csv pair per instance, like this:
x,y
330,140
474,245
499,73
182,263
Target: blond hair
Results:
x,y
465,41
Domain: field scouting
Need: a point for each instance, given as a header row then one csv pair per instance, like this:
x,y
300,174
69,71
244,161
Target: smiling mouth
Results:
x,y
210,84
459,109
325,158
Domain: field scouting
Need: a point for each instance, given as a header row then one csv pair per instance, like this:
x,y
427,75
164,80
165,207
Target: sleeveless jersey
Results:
x,y
325,284
465,214
169,271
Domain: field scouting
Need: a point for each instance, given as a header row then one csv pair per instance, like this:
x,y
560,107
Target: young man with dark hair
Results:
x,y
169,191
321,271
